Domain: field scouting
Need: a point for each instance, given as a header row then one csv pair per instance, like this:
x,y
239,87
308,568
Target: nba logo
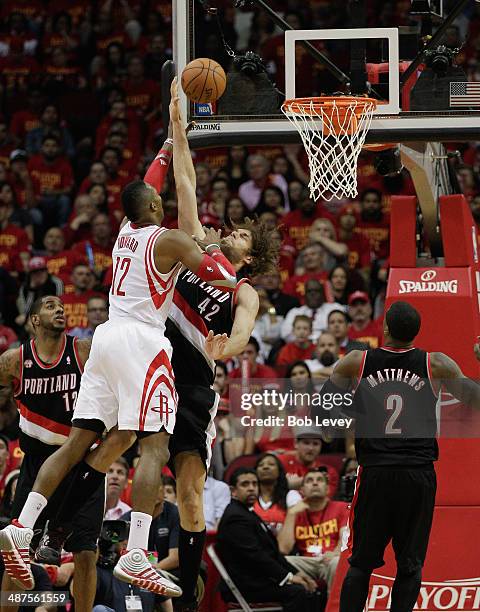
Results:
x,y
203,109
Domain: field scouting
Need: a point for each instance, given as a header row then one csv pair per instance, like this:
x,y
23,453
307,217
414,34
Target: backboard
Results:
x,y
438,102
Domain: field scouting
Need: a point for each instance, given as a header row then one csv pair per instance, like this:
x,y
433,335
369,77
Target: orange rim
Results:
x,y
380,147
325,103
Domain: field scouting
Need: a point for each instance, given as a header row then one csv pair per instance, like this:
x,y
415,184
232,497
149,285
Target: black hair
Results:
x,y
239,472
116,151
135,197
252,340
37,305
262,206
288,376
371,190
223,366
403,321
168,480
281,487
317,470
342,312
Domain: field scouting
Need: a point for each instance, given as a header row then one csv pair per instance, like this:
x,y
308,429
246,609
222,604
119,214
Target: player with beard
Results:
x,y
44,375
195,310
128,385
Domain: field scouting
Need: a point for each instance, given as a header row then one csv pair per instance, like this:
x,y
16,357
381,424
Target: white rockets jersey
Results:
x,y
138,289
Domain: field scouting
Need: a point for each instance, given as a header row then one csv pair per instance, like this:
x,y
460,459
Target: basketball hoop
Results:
x,y
333,130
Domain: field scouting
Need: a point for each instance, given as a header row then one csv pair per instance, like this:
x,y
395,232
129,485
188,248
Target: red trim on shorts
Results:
x,y
160,360
48,366
43,421
77,356
18,382
351,515
192,315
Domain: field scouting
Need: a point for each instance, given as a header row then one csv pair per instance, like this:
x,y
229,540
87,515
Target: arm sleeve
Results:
x,y
157,171
216,270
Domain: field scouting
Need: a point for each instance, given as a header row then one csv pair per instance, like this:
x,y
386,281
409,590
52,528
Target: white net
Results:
x,y
333,131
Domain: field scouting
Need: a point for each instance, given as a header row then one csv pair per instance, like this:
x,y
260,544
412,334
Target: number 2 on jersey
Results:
x,y
122,263
395,403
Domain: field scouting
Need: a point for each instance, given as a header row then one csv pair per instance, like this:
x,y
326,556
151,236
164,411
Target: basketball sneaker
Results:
x,y
134,567
49,549
15,549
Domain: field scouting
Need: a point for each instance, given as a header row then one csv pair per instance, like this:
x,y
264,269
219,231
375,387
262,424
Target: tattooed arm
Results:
x,y
9,367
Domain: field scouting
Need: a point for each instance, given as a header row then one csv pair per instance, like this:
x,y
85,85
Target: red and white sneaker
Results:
x,y
15,549
134,567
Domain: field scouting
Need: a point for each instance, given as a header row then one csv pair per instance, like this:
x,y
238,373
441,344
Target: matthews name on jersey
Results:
x,y
46,395
196,309
395,409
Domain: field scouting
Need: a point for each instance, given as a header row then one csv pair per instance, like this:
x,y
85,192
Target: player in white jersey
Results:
x,y
128,382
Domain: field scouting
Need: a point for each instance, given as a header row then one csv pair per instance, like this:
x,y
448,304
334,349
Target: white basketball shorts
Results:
x,y
128,378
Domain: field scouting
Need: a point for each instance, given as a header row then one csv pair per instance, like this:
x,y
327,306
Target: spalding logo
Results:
x,y
428,285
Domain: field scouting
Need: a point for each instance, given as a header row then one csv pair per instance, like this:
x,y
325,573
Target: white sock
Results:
x,y
139,530
32,509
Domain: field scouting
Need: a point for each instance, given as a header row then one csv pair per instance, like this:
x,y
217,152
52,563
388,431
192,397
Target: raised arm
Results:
x,y
184,172
448,373
211,265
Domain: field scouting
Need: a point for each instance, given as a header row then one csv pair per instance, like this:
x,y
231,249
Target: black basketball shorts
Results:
x,y
392,503
87,524
194,427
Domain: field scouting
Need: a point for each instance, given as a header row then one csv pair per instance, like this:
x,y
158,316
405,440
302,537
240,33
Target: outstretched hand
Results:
x,y
175,115
215,345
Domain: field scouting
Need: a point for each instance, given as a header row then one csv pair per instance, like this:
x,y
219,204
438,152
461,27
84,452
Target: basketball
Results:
x,y
203,80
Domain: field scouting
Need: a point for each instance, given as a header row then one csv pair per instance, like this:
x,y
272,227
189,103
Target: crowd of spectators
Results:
x,y
80,117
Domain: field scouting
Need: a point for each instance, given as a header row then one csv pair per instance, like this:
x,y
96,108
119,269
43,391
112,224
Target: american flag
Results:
x,y
465,94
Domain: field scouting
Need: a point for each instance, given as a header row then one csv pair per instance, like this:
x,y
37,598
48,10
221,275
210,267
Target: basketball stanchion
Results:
x,y
333,131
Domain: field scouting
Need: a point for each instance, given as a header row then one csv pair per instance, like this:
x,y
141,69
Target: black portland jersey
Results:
x,y
395,409
46,395
197,308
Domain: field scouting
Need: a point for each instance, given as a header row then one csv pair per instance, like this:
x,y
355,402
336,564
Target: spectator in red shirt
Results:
x,y
61,36
314,527
374,223
28,119
362,328
297,223
75,299
118,112
79,227
308,445
98,250
141,94
8,338
22,184
359,250
271,504
53,180
14,242
60,262
18,71
314,268
118,177
50,125
302,347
